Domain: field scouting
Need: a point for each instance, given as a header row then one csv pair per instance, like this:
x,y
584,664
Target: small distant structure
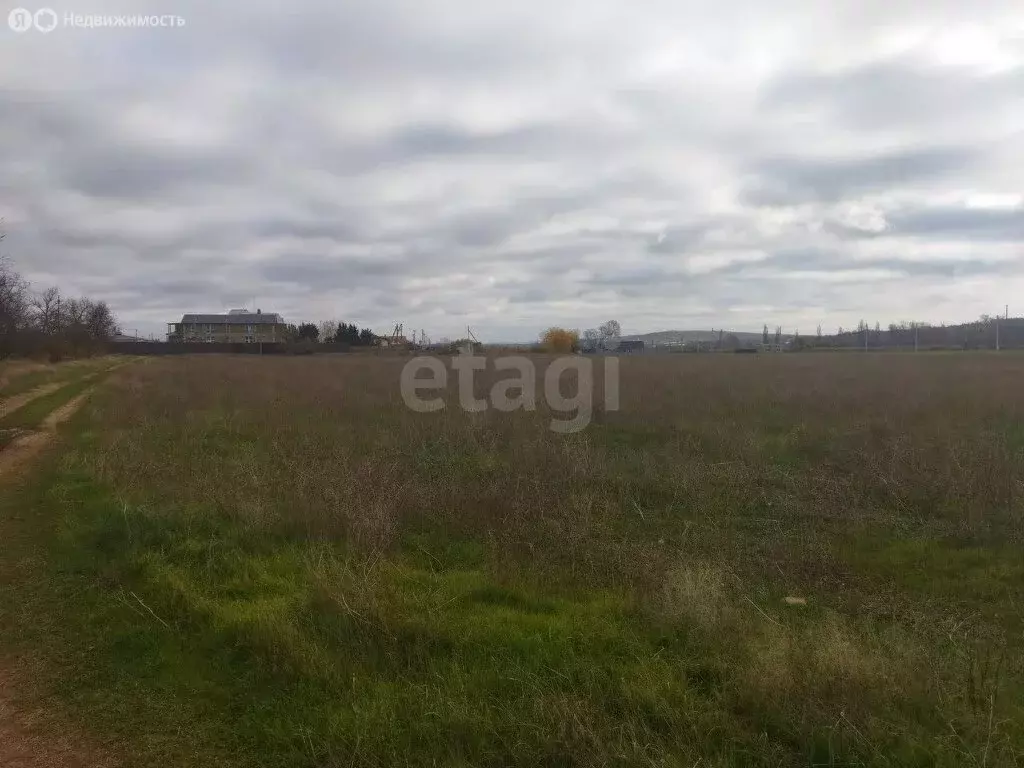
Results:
x,y
630,346
773,343
468,345
397,339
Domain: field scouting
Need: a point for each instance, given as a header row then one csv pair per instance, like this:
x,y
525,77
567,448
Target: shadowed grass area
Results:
x,y
272,562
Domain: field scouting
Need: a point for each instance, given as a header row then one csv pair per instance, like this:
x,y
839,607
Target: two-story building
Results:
x,y
238,325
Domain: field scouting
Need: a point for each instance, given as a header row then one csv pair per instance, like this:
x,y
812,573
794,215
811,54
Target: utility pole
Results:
x,y
915,337
997,333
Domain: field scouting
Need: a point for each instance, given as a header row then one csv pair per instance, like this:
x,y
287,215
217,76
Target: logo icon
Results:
x,y
45,20
20,20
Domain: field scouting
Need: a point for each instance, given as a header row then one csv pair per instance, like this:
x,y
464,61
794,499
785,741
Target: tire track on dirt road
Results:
x,y
30,442
11,404
30,736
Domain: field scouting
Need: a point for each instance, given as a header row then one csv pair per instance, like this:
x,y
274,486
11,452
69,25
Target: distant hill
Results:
x,y
986,333
689,337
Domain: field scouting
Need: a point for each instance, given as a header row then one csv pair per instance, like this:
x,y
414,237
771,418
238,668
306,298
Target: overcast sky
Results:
x,y
514,165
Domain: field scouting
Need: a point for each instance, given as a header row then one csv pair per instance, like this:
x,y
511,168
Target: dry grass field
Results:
x,y
272,561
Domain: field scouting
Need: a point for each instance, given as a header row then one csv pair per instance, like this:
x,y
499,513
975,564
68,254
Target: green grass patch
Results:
x,y
280,652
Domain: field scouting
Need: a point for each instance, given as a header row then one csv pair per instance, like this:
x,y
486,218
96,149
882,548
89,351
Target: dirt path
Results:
x,y
12,404
31,737
29,442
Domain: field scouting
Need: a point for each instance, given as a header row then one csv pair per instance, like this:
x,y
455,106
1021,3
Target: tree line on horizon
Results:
x,y
333,332
48,323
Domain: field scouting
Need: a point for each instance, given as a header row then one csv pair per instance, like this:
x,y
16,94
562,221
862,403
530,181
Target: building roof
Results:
x,y
248,318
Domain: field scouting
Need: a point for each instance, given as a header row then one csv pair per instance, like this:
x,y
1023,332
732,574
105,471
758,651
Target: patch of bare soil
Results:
x,y
29,737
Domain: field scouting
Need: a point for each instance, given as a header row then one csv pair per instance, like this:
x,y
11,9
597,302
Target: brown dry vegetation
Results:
x,y
372,585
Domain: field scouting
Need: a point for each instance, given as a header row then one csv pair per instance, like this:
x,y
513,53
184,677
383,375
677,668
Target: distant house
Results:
x,y
628,346
120,338
238,325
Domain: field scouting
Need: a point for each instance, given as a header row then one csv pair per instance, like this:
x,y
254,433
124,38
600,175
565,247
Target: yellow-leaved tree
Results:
x,y
560,340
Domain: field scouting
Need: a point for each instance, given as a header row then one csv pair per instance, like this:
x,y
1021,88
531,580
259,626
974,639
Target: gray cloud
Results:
x,y
896,92
793,180
512,167
960,222
150,172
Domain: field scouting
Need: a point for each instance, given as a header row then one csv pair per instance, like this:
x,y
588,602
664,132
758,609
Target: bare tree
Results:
x,y
46,311
99,320
328,330
47,321
610,334
14,305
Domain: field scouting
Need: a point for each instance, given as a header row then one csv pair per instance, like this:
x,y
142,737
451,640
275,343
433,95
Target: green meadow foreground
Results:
x,y
273,562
